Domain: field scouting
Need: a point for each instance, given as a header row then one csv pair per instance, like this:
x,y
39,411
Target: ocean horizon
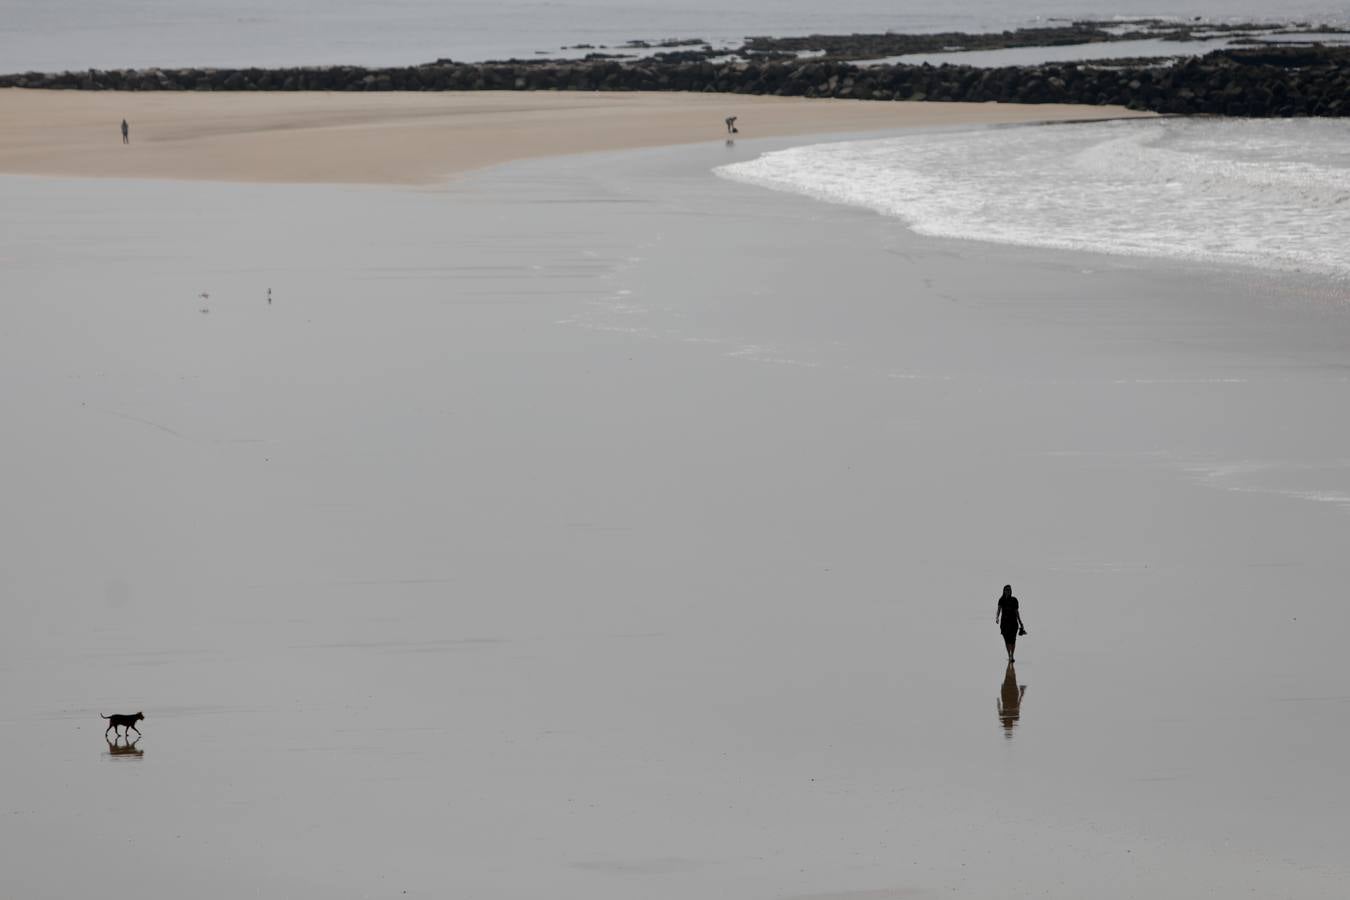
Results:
x,y
79,34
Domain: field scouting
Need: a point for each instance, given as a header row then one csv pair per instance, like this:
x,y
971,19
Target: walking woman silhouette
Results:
x,y
1009,620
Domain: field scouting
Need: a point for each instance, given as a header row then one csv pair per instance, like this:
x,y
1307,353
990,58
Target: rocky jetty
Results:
x,y
1257,81
880,46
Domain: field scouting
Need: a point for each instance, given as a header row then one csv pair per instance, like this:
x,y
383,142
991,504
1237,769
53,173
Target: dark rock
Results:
x,y
1304,81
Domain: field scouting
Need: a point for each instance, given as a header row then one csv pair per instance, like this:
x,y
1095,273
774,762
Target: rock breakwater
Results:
x,y
1258,82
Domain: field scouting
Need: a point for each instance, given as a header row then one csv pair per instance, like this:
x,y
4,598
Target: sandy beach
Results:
x,y
597,527
418,138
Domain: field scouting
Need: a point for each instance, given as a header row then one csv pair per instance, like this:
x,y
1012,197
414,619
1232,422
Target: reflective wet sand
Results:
x,y
600,528
1010,701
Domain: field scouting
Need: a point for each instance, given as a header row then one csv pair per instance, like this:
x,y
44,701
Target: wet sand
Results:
x,y
596,527
416,138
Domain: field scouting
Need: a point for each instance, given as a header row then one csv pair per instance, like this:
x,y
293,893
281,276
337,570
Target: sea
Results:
x,y
1270,193
57,35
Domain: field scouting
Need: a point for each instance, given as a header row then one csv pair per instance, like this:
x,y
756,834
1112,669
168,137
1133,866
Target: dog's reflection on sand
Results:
x,y
1010,701
124,747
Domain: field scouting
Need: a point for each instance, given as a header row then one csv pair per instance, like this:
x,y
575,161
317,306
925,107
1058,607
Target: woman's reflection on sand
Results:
x,y
124,747
1010,701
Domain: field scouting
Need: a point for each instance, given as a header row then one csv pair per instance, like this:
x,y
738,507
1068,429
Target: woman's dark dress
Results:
x,y
1007,618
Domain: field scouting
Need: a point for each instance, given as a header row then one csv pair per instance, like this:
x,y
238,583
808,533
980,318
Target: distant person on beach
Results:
x,y
1009,620
731,125
126,132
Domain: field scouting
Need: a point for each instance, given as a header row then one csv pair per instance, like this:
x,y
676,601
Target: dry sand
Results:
x,y
417,138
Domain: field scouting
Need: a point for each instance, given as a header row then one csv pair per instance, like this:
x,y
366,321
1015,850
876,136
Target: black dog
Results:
x,y
127,722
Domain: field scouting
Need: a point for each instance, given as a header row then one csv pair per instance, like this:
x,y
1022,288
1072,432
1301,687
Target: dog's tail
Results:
x,y
102,716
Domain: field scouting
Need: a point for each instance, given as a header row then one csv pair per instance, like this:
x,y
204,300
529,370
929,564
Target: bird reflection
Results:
x,y
124,747
1010,701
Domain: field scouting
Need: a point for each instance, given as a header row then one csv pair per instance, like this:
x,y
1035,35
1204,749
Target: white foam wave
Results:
x,y
1271,193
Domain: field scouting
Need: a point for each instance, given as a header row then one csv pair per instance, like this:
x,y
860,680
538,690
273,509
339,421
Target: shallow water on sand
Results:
x,y
599,527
